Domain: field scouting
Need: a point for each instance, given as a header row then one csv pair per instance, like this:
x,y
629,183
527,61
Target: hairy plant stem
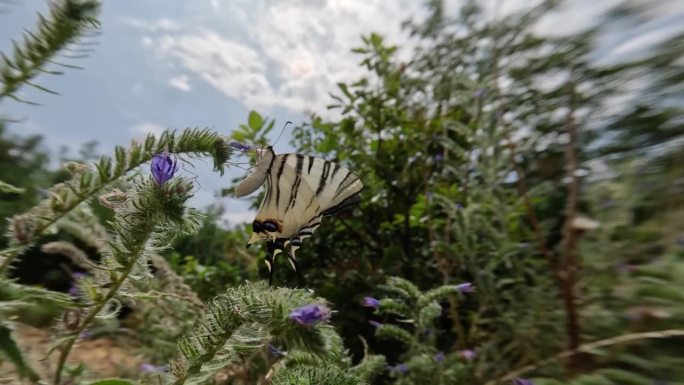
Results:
x,y
64,354
586,348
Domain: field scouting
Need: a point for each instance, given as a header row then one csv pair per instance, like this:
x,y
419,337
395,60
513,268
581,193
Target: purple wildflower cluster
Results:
x,y
400,368
275,351
466,287
149,368
163,167
371,302
309,315
239,146
467,354
522,381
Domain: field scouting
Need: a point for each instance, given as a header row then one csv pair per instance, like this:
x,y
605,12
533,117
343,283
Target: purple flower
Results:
x,y
309,315
239,146
375,324
398,368
467,354
438,158
522,381
626,267
439,357
163,167
149,368
78,275
459,205
275,351
74,291
465,287
84,335
371,302
479,93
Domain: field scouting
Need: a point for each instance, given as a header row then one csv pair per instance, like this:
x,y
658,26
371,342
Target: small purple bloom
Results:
x,y
398,368
467,354
163,167
439,357
275,351
375,324
626,267
74,291
466,287
239,146
459,205
149,368
438,158
78,275
522,381
427,331
371,302
479,93
84,335
309,315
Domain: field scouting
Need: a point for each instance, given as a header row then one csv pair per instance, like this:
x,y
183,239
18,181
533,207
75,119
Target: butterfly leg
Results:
x,y
270,248
295,243
273,248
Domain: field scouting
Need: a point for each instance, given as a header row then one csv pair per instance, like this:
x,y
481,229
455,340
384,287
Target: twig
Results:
x,y
587,348
569,260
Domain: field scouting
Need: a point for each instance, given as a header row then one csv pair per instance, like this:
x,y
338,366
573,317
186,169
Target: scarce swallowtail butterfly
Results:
x,y
300,191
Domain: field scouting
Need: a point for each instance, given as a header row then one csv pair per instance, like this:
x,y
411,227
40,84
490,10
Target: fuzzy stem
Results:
x,y
587,348
190,141
97,308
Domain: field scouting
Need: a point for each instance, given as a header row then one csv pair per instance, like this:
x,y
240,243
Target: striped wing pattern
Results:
x,y
300,191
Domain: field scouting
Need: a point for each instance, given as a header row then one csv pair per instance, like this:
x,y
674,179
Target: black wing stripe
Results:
x,y
280,173
311,162
324,177
349,201
335,170
297,182
339,187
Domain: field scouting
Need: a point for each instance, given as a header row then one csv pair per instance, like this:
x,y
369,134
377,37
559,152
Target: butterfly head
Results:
x,y
266,229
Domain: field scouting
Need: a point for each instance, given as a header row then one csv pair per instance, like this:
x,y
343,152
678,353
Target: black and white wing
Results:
x,y
300,191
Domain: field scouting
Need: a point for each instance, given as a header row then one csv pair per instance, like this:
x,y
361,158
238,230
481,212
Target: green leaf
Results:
x,y
9,348
255,120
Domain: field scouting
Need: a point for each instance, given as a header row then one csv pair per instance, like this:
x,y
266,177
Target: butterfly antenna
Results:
x,y
195,177
281,133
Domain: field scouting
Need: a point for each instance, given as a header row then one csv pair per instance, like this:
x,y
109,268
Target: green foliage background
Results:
x,y
493,156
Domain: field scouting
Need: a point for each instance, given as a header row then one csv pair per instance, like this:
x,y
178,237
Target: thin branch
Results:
x,y
569,258
587,348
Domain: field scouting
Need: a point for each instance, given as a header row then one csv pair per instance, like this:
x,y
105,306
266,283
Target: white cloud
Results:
x,y
143,129
294,53
181,82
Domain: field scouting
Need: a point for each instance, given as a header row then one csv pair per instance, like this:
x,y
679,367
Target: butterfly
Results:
x,y
300,191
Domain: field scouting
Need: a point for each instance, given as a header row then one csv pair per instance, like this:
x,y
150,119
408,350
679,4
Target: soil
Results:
x,y
103,357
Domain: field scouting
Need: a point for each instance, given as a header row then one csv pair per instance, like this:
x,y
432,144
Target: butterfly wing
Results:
x,y
258,175
300,191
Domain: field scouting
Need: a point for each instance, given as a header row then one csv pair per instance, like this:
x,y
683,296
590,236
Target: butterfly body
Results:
x,y
300,191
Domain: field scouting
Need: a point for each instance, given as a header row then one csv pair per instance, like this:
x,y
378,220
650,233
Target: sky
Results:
x,y
172,64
